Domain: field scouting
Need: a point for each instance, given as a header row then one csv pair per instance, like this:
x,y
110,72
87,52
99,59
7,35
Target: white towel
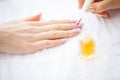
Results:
x,y
64,62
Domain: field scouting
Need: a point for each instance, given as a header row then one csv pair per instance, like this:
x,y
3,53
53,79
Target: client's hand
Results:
x,y
30,35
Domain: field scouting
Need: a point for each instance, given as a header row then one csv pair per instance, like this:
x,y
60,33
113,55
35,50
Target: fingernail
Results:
x,y
91,8
79,26
63,40
76,30
73,21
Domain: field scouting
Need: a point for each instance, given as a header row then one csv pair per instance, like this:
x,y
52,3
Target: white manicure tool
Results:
x,y
86,4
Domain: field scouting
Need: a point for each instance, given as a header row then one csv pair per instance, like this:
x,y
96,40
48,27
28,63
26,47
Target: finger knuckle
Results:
x,y
48,43
54,33
68,34
58,26
31,37
30,23
31,29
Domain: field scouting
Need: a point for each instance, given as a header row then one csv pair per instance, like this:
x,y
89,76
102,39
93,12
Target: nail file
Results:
x,y
86,4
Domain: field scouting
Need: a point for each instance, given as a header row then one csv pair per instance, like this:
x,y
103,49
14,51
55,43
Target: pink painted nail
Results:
x,y
63,40
76,30
78,22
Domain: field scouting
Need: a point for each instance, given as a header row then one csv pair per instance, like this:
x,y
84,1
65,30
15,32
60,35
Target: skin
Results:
x,y
30,35
101,6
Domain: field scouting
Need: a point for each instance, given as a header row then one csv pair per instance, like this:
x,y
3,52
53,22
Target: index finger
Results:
x,y
81,2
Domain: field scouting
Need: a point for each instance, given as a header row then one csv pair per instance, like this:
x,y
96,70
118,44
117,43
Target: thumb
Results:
x,y
99,7
34,18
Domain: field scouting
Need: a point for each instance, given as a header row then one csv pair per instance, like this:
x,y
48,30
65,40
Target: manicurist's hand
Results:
x,y
100,7
30,35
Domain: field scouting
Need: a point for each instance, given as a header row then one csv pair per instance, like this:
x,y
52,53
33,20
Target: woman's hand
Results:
x,y
100,7
29,35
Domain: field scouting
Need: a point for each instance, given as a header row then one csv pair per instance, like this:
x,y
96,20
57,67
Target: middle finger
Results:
x,y
44,23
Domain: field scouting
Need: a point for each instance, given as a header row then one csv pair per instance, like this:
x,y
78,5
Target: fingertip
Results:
x,y
63,40
81,2
76,30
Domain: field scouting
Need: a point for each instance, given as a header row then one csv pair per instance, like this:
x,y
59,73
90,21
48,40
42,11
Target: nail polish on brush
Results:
x,y
78,23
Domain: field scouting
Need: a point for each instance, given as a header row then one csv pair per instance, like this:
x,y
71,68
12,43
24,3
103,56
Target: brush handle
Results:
x,y
86,4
